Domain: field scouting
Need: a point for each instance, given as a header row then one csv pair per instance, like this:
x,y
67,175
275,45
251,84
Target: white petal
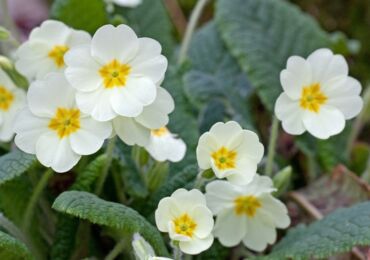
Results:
x,y
296,76
56,153
155,115
204,219
5,81
196,245
148,49
220,195
276,210
327,122
130,132
90,137
166,148
223,132
129,3
247,145
260,233
97,104
45,96
207,144
109,43
82,70
142,89
230,228
78,37
52,32
188,199
124,103
289,112
166,212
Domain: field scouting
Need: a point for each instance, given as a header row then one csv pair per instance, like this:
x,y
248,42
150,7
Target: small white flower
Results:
x,y
117,74
230,151
12,99
247,213
54,129
126,3
318,95
143,250
136,130
44,51
187,219
164,145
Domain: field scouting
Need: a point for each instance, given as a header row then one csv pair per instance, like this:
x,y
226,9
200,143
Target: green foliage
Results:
x,y
336,233
67,226
11,248
216,76
150,19
86,15
89,207
262,34
14,164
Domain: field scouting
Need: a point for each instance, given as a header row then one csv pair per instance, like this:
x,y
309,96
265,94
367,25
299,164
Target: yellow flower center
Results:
x,y
312,98
246,205
65,122
224,158
160,131
57,54
6,99
185,225
114,74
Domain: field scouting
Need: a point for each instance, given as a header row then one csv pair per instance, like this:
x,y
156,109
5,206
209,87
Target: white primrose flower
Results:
x,y
143,250
53,128
44,51
318,95
117,74
230,151
187,219
164,145
12,99
126,3
247,213
136,130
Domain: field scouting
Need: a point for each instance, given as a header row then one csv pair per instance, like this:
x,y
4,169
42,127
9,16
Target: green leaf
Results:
x,y
89,207
66,228
14,164
216,76
334,234
86,15
262,35
150,19
4,34
11,248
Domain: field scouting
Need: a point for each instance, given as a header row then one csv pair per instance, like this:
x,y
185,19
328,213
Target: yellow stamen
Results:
x,y
57,54
246,205
185,225
160,131
224,158
65,122
114,74
312,98
6,98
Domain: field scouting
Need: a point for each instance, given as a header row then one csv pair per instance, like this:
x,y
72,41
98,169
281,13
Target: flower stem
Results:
x,y
118,248
272,146
177,254
109,152
28,216
195,15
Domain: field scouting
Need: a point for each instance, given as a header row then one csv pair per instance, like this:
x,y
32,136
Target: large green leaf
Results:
x,y
150,19
67,226
13,249
86,15
89,207
214,74
262,34
336,233
14,164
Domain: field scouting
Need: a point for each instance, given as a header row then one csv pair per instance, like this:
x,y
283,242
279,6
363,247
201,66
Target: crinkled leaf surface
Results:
x,y
14,164
13,249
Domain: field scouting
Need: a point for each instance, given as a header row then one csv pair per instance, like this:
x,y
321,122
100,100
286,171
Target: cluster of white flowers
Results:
x,y
245,209
86,89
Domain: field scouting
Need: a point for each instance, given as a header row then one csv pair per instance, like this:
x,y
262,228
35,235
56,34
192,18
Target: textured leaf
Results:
x,y
216,75
334,234
13,249
67,226
89,207
262,34
150,19
14,164
86,15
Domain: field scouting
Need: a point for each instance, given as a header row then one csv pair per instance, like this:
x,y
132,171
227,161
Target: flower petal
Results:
x,y
131,132
260,233
220,195
207,144
230,228
289,112
196,245
224,131
166,212
204,219
276,210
